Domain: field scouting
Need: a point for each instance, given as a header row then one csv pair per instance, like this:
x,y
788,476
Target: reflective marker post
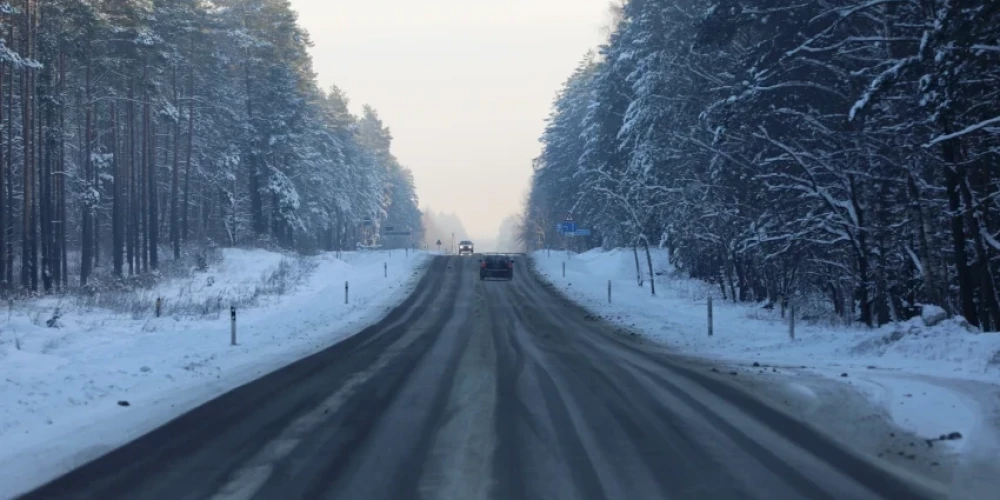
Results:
x,y
346,288
609,291
232,318
564,269
386,271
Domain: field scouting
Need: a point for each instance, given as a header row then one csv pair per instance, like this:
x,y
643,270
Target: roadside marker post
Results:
x,y
609,291
386,270
564,269
232,321
346,290
710,316
159,305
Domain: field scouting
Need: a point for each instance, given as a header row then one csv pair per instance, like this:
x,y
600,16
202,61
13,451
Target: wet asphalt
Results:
x,y
477,389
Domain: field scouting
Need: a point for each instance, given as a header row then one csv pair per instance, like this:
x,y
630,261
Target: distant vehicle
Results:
x,y
465,247
496,266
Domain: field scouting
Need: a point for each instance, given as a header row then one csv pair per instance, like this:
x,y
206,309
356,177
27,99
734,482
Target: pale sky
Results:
x,y
464,85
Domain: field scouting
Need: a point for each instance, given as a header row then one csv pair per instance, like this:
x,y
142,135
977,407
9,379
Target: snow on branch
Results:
x,y
967,130
883,80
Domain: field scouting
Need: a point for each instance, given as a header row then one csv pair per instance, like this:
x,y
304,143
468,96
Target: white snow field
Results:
x,y
931,381
64,389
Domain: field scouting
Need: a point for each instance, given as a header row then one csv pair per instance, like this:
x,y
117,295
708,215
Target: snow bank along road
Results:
x,y
474,390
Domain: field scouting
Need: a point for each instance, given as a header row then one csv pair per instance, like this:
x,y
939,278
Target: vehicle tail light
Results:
x,y
510,264
482,265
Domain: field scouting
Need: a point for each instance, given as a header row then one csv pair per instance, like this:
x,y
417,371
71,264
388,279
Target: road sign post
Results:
x,y
568,225
232,328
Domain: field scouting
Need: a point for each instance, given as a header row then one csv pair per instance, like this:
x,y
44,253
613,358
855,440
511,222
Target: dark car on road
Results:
x,y
466,247
496,266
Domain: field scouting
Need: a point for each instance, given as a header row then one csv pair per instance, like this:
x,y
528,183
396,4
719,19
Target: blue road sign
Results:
x,y
582,232
568,227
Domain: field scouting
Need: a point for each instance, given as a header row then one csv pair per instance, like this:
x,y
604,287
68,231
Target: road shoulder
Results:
x,y
907,421
136,381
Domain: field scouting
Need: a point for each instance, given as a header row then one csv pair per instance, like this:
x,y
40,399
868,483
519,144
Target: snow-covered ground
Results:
x,y
932,381
111,371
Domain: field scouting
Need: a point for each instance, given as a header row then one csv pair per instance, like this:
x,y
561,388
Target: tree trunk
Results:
x,y
8,220
649,261
117,201
638,269
339,240
154,227
743,281
252,159
989,309
206,207
130,229
62,254
175,223
32,144
46,152
190,148
861,254
28,179
934,293
727,266
3,187
86,259
143,168
966,282
98,184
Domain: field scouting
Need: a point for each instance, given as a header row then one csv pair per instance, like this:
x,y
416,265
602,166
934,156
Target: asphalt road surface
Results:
x,y
473,390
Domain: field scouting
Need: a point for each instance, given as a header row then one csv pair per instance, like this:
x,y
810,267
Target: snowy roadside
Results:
x,y
102,378
928,382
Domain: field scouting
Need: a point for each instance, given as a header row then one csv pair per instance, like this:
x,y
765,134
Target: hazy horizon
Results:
x,y
465,89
